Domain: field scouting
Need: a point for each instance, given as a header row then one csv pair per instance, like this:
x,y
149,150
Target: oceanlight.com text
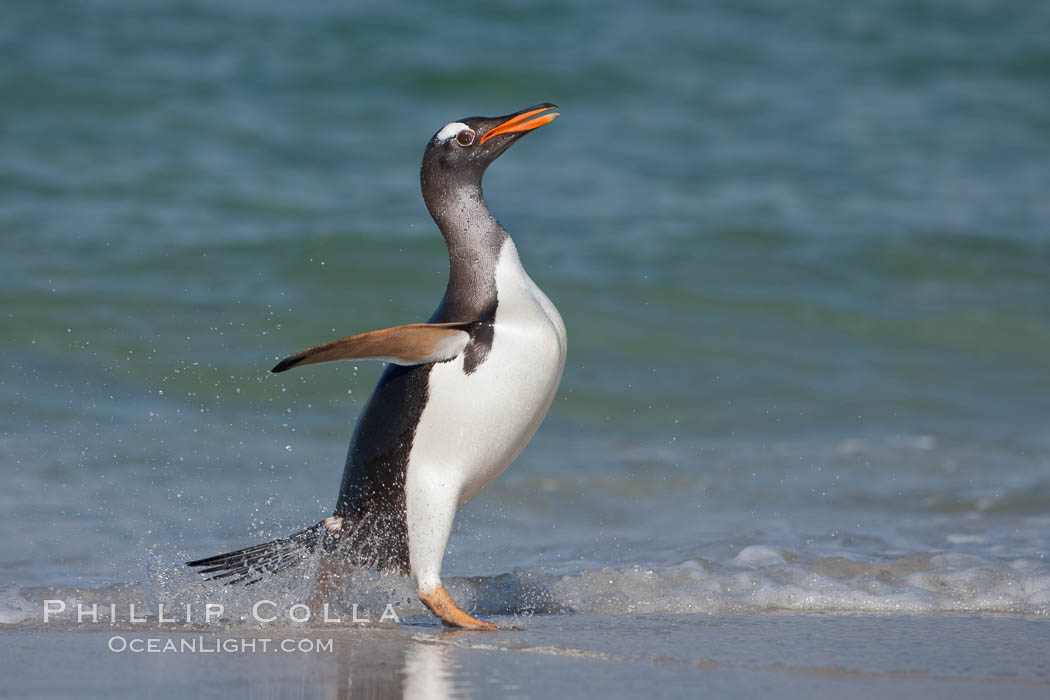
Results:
x,y
217,645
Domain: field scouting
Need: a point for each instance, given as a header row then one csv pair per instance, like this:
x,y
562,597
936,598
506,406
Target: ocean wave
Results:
x,y
766,579
757,579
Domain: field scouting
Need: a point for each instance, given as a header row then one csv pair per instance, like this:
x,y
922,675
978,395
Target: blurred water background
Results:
x,y
802,251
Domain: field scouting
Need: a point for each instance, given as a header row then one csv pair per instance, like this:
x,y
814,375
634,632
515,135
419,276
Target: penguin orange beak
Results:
x,y
523,121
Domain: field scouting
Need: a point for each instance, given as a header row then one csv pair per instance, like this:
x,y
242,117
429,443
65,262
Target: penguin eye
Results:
x,y
465,137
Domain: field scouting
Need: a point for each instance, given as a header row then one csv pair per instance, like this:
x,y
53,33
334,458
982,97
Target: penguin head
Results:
x,y
461,150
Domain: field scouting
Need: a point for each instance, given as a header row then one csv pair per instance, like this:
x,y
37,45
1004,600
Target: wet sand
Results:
x,y
809,655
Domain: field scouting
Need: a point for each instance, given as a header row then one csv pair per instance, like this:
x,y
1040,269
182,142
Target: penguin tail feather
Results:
x,y
252,564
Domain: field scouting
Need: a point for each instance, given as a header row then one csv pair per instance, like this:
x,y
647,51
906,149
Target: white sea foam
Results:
x,y
15,608
757,579
757,556
763,579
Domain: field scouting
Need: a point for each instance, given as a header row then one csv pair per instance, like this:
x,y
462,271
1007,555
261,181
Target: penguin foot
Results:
x,y
441,604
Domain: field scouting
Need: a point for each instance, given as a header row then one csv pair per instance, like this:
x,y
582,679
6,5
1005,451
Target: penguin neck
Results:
x,y
474,239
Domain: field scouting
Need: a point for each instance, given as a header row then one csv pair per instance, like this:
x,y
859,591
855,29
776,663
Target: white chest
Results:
x,y
474,425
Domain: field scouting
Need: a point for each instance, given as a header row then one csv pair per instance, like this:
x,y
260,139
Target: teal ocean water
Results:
x,y
802,251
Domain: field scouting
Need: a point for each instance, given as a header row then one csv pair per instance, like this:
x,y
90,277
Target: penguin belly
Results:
x,y
474,425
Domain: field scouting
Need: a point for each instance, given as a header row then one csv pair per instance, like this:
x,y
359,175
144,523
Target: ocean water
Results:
x,y
802,252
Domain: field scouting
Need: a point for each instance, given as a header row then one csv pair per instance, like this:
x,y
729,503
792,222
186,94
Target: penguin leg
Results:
x,y
431,502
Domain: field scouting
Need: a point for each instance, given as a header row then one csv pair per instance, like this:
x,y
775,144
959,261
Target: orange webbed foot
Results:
x,y
441,604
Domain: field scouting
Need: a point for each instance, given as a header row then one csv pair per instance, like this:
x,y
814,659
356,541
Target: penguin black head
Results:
x,y
460,151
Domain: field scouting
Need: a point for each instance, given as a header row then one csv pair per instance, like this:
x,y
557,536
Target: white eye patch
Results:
x,y
450,130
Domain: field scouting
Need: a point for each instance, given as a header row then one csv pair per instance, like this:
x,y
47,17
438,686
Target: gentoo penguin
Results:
x,y
461,397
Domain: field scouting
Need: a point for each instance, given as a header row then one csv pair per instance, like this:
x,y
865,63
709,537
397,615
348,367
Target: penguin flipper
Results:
x,y
411,344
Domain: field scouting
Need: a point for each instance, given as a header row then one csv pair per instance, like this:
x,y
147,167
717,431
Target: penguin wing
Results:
x,y
411,344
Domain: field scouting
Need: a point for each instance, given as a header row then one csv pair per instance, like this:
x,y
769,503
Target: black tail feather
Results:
x,y
251,564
